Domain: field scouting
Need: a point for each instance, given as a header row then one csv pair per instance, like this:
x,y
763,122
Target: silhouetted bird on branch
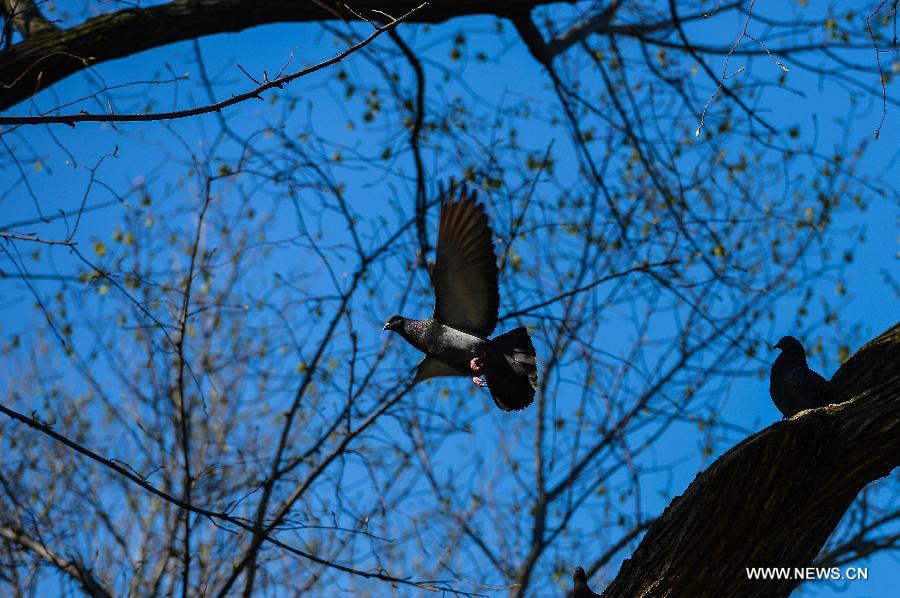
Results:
x,y
466,305
581,590
793,386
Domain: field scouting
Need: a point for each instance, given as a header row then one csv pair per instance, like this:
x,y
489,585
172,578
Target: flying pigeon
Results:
x,y
466,303
581,588
793,386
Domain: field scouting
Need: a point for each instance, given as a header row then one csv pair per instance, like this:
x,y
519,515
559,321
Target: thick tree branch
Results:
x,y
774,499
279,82
598,24
532,36
50,56
595,24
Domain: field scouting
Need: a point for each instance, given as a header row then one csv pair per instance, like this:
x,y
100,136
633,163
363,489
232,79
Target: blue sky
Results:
x,y
871,305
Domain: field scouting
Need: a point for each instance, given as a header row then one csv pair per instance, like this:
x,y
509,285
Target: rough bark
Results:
x,y
774,499
49,56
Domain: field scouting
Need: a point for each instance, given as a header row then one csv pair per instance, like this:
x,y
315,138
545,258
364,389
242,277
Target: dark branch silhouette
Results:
x,y
279,82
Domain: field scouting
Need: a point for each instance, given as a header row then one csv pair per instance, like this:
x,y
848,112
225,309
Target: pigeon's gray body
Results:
x,y
466,307
452,347
793,386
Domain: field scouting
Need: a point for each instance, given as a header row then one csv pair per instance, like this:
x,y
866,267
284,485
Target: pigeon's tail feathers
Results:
x,y
517,346
511,370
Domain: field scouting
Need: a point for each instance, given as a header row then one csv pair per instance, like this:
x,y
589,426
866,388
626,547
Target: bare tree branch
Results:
x,y
70,566
646,267
280,82
127,473
42,60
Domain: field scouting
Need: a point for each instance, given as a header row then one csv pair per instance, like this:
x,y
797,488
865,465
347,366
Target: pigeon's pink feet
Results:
x,y
477,365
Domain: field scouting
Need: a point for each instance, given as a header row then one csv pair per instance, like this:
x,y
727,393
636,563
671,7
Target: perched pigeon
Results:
x,y
581,588
793,386
466,303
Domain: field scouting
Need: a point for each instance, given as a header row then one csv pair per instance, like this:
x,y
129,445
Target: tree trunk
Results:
x,y
773,500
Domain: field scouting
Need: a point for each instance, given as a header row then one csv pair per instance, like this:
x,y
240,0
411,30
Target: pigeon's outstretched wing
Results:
x,y
811,386
466,293
432,368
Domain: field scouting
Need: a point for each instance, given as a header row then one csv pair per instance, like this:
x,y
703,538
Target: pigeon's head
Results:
x,y
579,576
790,346
394,323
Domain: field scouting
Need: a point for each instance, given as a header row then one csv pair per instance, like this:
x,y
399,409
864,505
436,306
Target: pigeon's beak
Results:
x,y
387,327
776,345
